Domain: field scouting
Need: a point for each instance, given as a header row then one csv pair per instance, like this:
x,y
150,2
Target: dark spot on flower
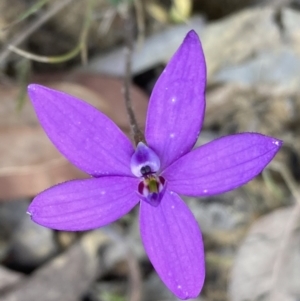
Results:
x,y
145,170
141,187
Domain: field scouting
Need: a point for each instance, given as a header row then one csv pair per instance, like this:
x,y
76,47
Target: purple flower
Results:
x,y
154,174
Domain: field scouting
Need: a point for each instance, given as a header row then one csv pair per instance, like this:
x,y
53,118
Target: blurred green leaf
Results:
x,y
23,72
118,2
107,296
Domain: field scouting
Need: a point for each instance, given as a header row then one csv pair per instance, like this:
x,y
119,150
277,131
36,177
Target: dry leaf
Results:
x,y
252,273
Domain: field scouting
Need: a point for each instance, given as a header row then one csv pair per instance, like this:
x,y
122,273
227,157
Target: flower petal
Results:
x,y
173,242
221,165
85,136
84,204
177,104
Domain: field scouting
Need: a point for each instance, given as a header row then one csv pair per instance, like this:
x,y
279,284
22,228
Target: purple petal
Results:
x,y
85,136
177,104
84,204
173,242
221,165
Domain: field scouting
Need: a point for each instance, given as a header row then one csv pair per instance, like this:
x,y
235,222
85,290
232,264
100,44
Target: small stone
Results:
x,y
280,67
31,244
8,278
224,213
240,36
11,215
67,277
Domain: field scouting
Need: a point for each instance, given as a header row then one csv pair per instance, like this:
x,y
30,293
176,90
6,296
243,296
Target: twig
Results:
x,y
134,276
85,31
133,265
288,179
287,233
46,59
108,18
138,136
140,18
32,28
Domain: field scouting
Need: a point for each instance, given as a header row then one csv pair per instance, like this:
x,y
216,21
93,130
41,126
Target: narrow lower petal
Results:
x,y
84,204
84,135
222,165
177,104
173,242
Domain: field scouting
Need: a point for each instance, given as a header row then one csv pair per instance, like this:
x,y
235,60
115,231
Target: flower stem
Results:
x,y
137,134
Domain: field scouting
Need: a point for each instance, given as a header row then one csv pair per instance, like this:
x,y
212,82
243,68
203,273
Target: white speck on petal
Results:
x,y
205,191
173,207
276,143
172,135
179,286
173,99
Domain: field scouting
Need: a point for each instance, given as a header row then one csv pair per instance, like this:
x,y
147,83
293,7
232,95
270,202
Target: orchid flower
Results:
x,y
154,174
